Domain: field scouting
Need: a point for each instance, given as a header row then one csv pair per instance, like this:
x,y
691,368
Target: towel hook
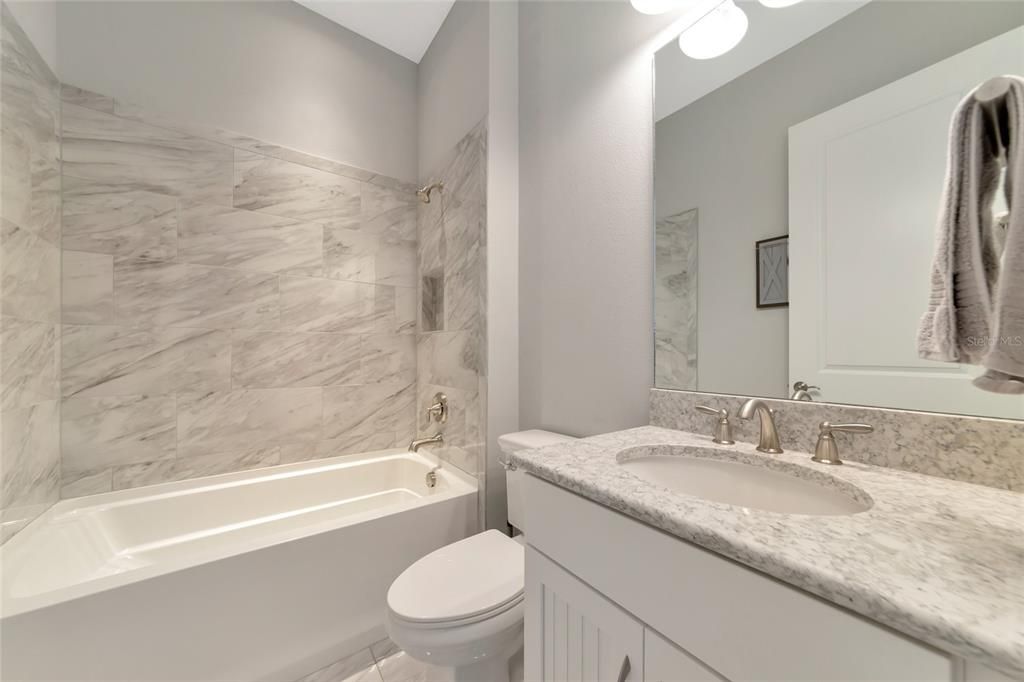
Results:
x,y
992,89
990,97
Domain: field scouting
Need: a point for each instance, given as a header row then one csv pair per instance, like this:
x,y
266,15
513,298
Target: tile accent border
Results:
x,y
977,450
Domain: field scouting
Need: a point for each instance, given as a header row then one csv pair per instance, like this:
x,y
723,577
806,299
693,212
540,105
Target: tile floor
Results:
x,y
382,662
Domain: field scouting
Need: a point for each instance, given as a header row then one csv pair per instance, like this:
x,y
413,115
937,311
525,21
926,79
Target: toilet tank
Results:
x,y
522,440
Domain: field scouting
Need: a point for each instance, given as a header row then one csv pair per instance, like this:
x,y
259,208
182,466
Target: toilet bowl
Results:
x,y
461,606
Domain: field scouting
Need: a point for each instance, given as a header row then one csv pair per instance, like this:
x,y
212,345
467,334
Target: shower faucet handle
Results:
x,y
438,411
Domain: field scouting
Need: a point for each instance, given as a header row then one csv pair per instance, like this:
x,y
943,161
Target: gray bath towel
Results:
x,y
976,311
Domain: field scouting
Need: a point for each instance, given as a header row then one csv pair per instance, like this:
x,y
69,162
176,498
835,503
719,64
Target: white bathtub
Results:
x,y
263,575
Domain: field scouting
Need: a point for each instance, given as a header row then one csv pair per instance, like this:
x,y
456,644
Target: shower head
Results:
x,y
424,193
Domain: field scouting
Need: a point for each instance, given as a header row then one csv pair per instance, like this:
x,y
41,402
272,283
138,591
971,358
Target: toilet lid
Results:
x,y
464,579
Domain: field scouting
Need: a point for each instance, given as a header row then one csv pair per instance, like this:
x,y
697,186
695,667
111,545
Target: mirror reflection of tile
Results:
x,y
675,301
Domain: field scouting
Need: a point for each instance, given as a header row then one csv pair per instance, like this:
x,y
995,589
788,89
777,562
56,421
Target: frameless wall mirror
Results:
x,y
798,180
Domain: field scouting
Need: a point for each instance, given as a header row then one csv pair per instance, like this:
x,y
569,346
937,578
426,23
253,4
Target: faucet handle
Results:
x,y
826,451
847,428
438,411
723,430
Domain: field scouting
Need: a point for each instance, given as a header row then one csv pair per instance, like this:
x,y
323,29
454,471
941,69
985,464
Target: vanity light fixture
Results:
x,y
655,6
715,33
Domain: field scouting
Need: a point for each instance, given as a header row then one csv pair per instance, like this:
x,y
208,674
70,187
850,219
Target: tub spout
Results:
x,y
420,442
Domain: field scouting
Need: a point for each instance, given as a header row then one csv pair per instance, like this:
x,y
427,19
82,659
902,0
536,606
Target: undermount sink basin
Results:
x,y
744,480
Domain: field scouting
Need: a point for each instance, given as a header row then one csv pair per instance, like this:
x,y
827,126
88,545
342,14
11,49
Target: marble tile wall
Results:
x,y
451,344
970,449
675,301
30,280
230,304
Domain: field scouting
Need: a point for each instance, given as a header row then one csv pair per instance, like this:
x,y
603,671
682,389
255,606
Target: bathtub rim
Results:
x,y
459,484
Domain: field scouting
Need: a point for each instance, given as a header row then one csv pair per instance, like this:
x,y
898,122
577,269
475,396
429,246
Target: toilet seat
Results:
x,y
469,581
454,623
495,637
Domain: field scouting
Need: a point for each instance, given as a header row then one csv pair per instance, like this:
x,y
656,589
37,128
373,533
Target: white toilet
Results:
x,y
461,606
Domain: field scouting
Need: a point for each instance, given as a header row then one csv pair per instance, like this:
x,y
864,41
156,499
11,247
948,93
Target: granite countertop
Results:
x,y
938,560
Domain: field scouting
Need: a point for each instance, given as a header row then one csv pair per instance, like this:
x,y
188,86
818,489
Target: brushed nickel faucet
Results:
x,y
420,442
769,440
723,430
802,391
438,410
826,451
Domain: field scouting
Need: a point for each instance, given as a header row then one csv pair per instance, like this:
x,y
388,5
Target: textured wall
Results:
x,y
586,214
451,344
452,83
502,248
231,304
29,281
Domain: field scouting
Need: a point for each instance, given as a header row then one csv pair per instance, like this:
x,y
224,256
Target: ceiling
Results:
x,y
681,80
402,26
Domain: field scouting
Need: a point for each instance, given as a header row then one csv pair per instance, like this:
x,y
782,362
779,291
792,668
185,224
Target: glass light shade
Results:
x,y
655,6
778,3
715,33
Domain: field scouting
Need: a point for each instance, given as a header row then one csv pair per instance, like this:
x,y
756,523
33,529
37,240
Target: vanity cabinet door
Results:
x,y
572,633
665,662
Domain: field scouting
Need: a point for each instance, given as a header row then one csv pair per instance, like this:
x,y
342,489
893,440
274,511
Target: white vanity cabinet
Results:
x,y
574,633
601,587
665,662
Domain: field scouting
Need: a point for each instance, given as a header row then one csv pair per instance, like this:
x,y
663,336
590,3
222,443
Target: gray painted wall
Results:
x,y
38,19
726,155
271,70
586,214
452,89
502,248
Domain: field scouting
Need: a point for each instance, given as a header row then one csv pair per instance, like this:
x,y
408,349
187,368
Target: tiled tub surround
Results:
x,y
969,449
938,560
29,280
230,304
451,344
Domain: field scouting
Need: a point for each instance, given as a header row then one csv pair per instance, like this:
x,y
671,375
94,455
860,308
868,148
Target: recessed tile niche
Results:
x,y
433,303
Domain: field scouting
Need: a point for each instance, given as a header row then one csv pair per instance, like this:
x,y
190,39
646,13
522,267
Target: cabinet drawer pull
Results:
x,y
624,670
